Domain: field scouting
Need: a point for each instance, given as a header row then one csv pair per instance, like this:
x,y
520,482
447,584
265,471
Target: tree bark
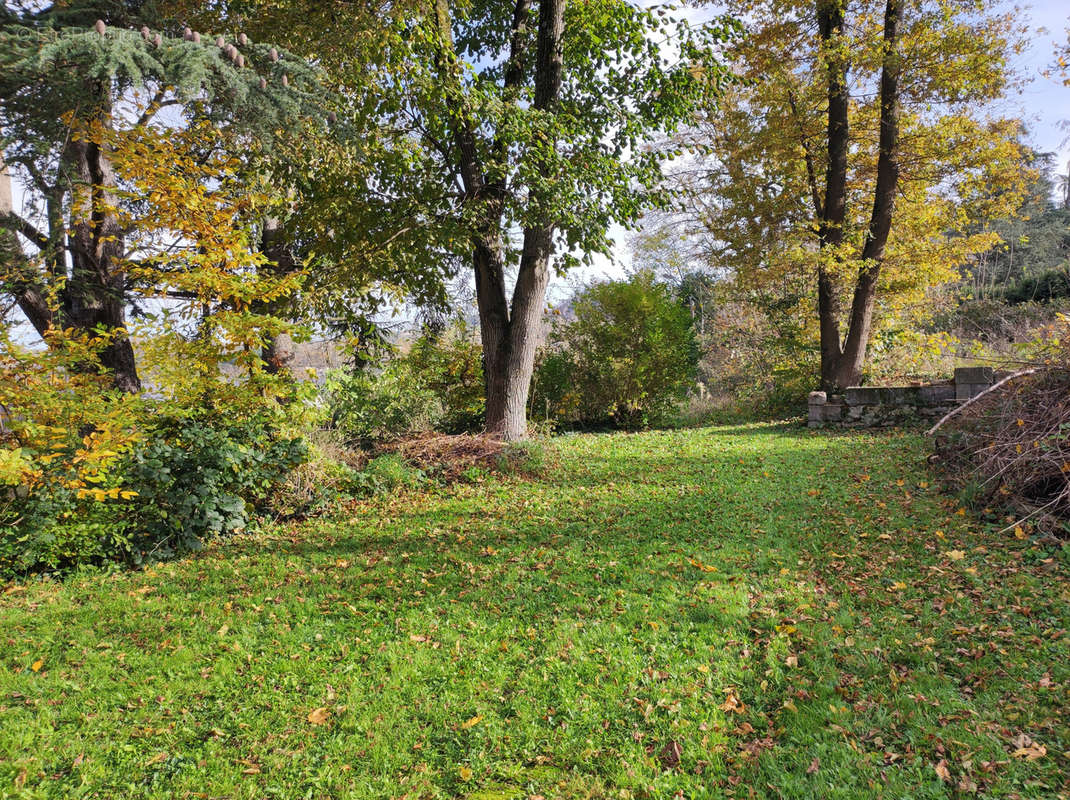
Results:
x,y
276,247
860,325
507,414
508,330
95,295
833,213
842,363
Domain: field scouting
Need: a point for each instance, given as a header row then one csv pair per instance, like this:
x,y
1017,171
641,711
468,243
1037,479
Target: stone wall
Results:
x,y
879,406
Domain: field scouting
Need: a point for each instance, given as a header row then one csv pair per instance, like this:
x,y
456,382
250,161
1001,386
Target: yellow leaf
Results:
x,y
472,722
733,704
955,555
465,773
156,759
318,716
1032,752
1018,532
36,665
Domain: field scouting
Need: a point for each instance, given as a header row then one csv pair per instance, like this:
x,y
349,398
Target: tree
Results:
x,y
513,136
349,211
1035,238
63,72
856,153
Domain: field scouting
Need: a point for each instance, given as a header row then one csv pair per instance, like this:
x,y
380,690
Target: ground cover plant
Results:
x,y
754,611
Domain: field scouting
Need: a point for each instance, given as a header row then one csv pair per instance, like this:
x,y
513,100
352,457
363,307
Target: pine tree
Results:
x,y
68,70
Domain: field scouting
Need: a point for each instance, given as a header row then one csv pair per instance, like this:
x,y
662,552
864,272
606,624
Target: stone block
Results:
x,y
832,412
936,395
974,375
964,391
862,395
818,398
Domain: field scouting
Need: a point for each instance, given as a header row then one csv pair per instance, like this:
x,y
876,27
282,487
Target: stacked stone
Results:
x,y
882,406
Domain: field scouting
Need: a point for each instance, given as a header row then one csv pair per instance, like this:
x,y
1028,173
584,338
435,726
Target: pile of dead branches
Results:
x,y
1009,448
449,457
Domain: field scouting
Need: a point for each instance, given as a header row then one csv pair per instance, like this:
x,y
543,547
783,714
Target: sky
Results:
x,y
1046,102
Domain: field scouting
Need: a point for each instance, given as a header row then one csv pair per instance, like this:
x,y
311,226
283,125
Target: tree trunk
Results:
x,y
833,213
509,331
852,359
841,364
275,246
95,296
510,367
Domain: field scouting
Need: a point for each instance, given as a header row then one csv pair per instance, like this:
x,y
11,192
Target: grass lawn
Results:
x,y
753,611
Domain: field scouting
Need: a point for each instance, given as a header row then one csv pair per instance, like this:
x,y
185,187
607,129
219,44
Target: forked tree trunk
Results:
x,y
509,329
842,362
92,297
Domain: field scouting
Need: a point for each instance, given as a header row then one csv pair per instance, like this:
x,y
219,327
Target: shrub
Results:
x,y
367,407
183,481
450,366
200,477
388,473
330,473
627,358
436,386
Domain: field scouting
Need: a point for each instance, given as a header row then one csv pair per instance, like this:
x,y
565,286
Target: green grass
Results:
x,y
794,615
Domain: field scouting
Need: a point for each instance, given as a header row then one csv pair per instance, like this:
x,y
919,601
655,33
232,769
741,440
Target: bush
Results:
x,y
450,366
393,403
626,359
436,386
330,473
197,478
388,473
184,480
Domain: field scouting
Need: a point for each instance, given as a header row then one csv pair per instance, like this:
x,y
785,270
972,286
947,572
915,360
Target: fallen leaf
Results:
x,y
942,771
318,716
732,704
472,722
1031,752
814,766
465,773
36,665
955,555
156,759
670,755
